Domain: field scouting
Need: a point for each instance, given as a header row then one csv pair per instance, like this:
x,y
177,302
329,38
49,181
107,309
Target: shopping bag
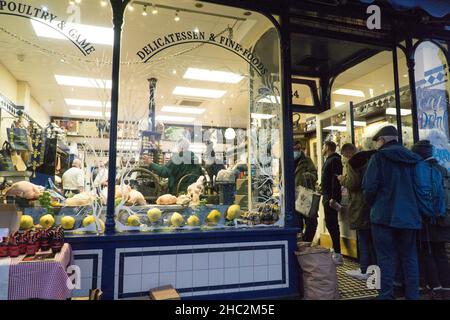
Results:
x,y
6,163
307,202
18,138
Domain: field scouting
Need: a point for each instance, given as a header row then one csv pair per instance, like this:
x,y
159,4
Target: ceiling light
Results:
x,y
230,134
44,8
87,103
177,17
198,92
356,123
350,92
98,35
262,116
182,110
154,10
174,71
393,112
336,128
83,82
270,99
212,75
144,11
338,104
174,118
78,1
103,3
72,2
196,30
130,7
88,113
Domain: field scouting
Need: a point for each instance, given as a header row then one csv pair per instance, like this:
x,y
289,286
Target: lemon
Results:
x,y
213,217
176,220
88,220
233,212
67,222
26,222
47,221
154,214
133,220
193,221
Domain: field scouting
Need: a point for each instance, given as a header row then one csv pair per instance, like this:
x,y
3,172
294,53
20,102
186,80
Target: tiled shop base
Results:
x,y
350,288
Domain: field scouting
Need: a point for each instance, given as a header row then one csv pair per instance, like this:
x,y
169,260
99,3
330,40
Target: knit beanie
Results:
x,y
423,148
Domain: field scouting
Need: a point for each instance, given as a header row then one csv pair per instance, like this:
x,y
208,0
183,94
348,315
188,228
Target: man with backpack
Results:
x,y
435,230
388,187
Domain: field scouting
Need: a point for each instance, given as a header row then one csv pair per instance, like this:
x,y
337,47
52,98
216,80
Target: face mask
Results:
x,y
297,155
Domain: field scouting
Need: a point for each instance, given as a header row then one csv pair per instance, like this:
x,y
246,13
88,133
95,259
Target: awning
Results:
x,y
435,8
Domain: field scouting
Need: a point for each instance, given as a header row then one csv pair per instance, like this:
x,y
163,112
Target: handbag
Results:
x,y
18,138
307,202
6,163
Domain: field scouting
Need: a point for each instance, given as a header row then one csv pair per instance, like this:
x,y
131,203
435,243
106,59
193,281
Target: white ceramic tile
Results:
x,y
184,279
231,259
150,281
231,290
274,256
245,274
201,261
275,272
150,249
216,260
167,263
132,283
200,278
186,294
132,265
133,249
200,293
150,264
260,273
216,277
232,276
260,257
245,258
86,267
184,262
166,278
168,248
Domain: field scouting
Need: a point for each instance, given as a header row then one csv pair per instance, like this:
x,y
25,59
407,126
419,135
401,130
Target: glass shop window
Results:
x,y
201,115
432,88
55,83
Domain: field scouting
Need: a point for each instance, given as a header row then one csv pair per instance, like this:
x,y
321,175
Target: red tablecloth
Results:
x,y
42,279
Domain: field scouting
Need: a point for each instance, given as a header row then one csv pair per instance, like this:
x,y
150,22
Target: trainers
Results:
x,y
337,258
436,294
357,274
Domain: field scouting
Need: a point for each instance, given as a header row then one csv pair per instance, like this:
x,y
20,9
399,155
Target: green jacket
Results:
x,y
175,169
305,172
358,209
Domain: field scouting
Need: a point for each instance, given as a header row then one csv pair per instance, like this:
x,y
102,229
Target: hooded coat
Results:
x,y
388,187
358,209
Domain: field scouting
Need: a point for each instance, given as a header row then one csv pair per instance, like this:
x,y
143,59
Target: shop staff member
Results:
x,y
73,179
184,162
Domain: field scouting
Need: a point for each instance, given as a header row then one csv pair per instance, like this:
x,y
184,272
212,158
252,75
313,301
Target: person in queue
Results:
x,y
331,191
183,163
305,176
388,187
358,210
73,179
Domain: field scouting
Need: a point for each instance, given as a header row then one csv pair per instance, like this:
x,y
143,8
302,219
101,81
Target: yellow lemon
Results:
x,y
67,222
176,220
233,212
26,222
88,220
134,220
154,214
193,221
47,221
213,217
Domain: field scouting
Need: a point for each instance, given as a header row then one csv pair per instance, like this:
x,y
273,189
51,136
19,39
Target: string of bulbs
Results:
x,y
154,10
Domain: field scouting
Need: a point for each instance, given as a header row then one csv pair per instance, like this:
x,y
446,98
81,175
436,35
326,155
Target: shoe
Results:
x,y
357,274
445,294
437,294
337,258
399,291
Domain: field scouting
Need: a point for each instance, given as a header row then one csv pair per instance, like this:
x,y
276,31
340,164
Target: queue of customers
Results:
x,y
387,200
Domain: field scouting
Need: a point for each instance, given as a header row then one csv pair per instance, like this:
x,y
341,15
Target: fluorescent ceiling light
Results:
x,y
94,34
338,103
393,112
87,103
83,82
186,110
270,99
336,128
198,92
262,116
89,113
174,119
356,123
212,75
350,92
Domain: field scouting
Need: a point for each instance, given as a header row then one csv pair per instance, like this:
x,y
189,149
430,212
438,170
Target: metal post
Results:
x,y
118,7
397,95
152,104
352,123
412,86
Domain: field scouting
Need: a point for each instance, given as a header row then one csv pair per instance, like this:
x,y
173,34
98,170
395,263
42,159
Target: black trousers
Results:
x,y
308,225
435,264
332,223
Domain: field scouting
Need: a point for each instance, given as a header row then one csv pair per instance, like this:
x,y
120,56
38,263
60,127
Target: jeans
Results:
x,y
309,226
392,244
436,265
332,223
366,251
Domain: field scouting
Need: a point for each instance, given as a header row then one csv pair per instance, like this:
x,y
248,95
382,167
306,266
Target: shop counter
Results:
x,y
225,264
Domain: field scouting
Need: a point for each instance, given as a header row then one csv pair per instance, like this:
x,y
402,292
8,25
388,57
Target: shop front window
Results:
x,y
199,141
432,92
55,83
